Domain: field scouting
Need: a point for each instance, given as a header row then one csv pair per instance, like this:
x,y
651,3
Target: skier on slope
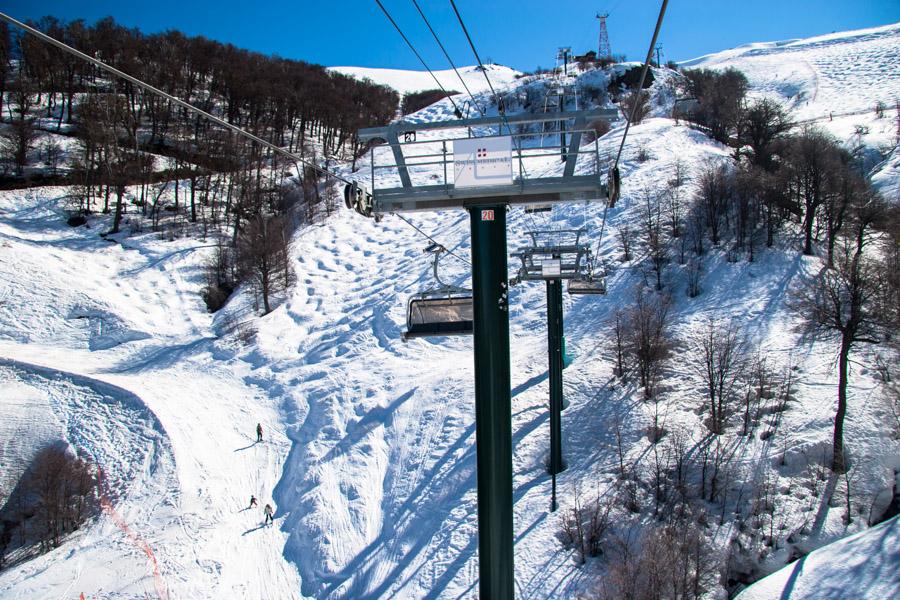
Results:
x,y
252,501
268,512
258,432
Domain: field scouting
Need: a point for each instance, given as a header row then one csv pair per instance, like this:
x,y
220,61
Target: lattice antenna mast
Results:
x,y
603,49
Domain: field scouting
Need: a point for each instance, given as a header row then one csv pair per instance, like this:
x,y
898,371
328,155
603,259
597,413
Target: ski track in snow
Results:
x,y
369,452
122,438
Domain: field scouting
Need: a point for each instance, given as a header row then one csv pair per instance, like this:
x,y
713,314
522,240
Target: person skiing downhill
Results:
x,y
252,501
259,432
268,512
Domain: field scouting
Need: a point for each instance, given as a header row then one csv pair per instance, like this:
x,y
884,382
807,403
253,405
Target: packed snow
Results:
x,y
368,453
404,81
864,564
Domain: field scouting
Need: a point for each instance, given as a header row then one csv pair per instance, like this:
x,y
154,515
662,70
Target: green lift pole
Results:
x,y
554,343
493,414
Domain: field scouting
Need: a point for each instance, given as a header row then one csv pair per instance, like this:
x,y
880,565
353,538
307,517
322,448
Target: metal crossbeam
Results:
x,y
400,127
533,191
549,257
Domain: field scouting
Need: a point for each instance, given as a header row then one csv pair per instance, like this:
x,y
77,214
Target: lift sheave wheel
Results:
x,y
613,183
358,198
350,195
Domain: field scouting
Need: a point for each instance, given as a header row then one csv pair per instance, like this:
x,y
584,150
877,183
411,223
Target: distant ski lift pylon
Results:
x,y
553,254
439,311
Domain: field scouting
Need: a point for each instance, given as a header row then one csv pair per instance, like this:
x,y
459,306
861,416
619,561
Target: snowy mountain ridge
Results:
x,y
368,451
405,81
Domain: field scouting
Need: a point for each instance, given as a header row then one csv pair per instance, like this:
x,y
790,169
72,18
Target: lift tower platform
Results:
x,y
484,165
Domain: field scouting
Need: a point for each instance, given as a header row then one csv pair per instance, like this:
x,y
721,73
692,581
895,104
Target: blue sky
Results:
x,y
523,34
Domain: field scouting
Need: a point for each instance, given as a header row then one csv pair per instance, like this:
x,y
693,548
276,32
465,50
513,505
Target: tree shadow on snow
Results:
x,y
374,418
410,527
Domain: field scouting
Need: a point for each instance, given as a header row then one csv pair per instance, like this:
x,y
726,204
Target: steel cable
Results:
x,y
419,56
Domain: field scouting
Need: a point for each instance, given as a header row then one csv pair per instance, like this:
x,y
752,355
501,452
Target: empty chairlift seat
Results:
x,y
587,285
444,310
439,314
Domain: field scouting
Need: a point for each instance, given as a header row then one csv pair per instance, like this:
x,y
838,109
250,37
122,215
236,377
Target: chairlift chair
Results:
x,y
587,284
588,281
439,311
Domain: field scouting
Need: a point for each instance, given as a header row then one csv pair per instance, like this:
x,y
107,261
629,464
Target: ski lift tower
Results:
x,y
483,174
603,48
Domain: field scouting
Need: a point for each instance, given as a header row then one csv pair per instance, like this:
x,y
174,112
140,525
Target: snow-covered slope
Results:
x,y
369,451
414,81
111,351
839,72
835,81
862,566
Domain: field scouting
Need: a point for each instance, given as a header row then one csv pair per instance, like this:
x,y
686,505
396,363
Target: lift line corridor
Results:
x,y
483,184
488,175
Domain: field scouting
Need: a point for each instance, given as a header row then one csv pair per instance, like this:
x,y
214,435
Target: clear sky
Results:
x,y
523,34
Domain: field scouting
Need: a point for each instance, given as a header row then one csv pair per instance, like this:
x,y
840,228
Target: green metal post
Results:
x,y
493,415
554,342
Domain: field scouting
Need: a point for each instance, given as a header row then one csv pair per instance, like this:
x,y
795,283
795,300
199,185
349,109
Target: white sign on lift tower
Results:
x,y
479,162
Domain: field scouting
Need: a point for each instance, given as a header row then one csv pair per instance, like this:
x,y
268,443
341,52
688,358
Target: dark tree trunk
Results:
x,y
117,216
838,464
808,219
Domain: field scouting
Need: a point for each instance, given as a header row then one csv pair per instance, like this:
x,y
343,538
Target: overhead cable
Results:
x,y
474,51
488,79
444,50
430,238
419,56
640,88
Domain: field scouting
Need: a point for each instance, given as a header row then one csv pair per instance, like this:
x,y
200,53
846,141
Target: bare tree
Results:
x,y
841,300
625,236
619,344
263,258
648,336
713,194
720,95
584,524
19,138
674,560
694,275
220,277
763,126
62,485
721,357
811,167
674,195
5,46
678,449
638,102
657,246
